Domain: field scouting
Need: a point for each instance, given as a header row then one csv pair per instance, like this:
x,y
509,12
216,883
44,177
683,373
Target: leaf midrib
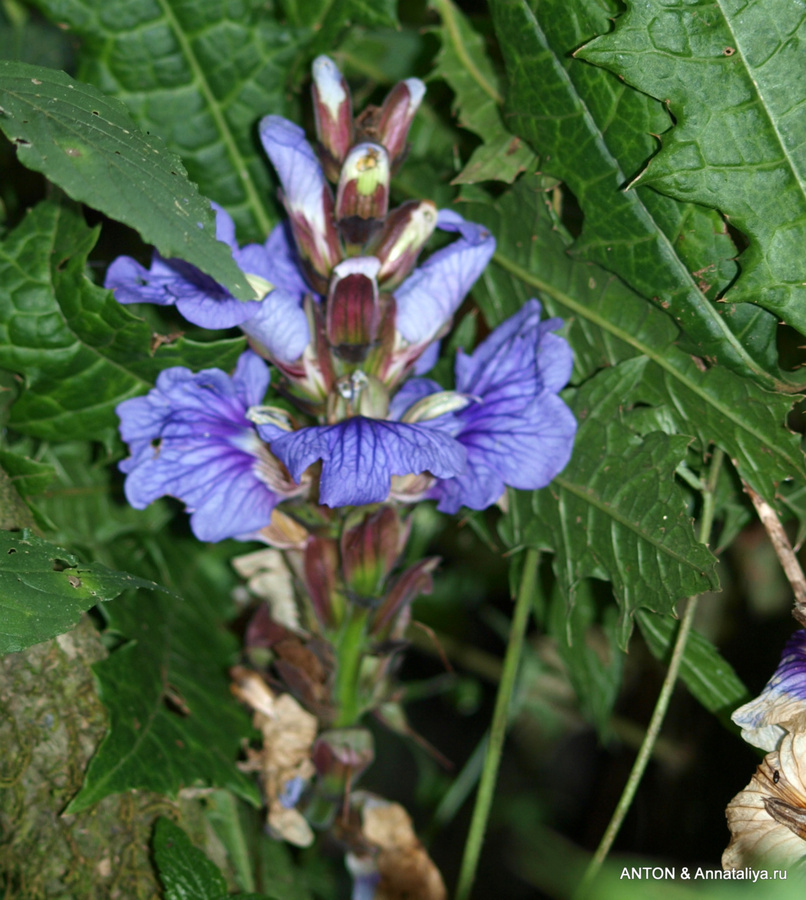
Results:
x,y
239,163
759,93
612,513
703,305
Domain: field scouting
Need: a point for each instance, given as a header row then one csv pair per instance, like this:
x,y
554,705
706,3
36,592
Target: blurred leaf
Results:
x,y
607,323
184,870
80,351
27,475
44,590
464,64
596,134
590,652
709,677
616,512
200,74
382,55
733,79
87,143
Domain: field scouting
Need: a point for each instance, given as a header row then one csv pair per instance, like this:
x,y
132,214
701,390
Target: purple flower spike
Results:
x,y
307,196
189,438
516,431
360,455
198,297
781,706
432,293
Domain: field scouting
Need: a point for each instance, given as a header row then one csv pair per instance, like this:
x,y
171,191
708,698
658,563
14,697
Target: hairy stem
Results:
x,y
498,729
662,705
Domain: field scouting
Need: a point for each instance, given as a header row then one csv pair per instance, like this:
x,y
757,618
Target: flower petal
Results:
x,y
190,439
280,326
517,432
199,298
360,455
432,293
781,706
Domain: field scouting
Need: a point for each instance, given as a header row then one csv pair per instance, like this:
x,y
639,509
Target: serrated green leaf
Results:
x,y
44,590
80,351
172,721
200,74
616,512
184,870
595,133
87,143
608,323
733,77
709,677
464,64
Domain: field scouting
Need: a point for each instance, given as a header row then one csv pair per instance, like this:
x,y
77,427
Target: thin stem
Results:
x,y
498,729
665,696
783,550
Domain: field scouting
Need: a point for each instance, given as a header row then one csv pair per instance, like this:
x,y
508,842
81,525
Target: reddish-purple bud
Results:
x,y
370,546
317,238
363,192
392,618
405,233
340,757
333,109
353,314
320,568
396,115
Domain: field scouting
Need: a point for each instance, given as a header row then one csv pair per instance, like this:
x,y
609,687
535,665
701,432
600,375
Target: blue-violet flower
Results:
x,y
190,439
781,706
517,432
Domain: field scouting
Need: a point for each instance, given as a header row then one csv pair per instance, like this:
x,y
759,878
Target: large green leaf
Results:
x,y
609,323
733,76
80,351
88,144
595,133
615,512
172,721
200,74
44,590
464,64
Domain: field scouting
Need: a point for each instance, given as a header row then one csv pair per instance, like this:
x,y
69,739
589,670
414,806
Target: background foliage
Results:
x,y
643,172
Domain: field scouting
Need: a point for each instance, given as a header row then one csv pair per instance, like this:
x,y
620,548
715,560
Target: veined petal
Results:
x,y
516,431
432,293
360,455
190,439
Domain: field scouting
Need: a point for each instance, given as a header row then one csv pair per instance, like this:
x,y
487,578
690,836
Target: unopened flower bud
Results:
x,y
405,233
340,757
333,109
370,545
320,568
392,618
307,198
353,313
396,115
363,192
